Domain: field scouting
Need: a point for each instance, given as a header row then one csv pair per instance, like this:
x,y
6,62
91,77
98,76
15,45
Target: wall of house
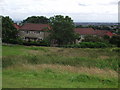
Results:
x,y
36,35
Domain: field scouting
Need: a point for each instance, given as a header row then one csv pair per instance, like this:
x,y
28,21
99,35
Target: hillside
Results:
x,y
52,67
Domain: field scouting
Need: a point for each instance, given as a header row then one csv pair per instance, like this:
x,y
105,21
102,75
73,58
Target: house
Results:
x,y
90,31
103,33
34,32
84,31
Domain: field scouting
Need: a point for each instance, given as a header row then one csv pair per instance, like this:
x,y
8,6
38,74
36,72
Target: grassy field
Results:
x,y
52,67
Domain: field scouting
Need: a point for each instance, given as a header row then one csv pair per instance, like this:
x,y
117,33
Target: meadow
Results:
x,y
53,67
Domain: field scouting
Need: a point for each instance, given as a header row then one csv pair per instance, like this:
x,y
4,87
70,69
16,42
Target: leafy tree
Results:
x,y
9,32
36,19
62,31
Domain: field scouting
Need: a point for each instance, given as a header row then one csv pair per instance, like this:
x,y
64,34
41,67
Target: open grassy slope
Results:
x,y
42,67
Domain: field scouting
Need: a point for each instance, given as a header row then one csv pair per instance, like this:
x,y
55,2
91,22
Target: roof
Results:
x,y
16,26
85,31
90,31
103,32
36,27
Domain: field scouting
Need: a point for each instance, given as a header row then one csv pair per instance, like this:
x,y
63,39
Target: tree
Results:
x,y
36,19
9,32
62,30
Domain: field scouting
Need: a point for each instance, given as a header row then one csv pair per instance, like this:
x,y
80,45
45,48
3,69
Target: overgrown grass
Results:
x,y
111,63
106,58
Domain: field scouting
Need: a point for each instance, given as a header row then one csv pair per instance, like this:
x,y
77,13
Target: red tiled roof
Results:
x,y
90,31
38,27
16,26
85,31
103,32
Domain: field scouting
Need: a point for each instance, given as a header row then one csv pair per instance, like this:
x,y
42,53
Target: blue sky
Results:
x,y
78,10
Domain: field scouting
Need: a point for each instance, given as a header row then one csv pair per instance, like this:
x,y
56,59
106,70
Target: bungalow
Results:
x,y
34,32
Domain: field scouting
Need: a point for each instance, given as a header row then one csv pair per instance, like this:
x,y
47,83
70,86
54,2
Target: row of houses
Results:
x,y
30,31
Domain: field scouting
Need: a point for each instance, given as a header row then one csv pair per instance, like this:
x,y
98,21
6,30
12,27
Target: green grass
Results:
x,y
101,67
12,50
51,78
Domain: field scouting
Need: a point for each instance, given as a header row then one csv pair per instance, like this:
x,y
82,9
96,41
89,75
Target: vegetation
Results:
x,y
9,32
62,31
50,67
36,19
91,38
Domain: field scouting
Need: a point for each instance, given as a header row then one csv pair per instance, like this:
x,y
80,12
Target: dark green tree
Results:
x,y
62,31
36,19
9,32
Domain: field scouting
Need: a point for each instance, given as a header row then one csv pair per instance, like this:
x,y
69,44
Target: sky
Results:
x,y
78,10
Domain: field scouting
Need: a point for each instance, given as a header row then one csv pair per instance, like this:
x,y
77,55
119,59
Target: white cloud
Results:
x,y
88,10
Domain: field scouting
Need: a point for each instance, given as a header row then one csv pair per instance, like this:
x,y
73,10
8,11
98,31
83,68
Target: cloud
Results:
x,y
82,4
113,3
86,10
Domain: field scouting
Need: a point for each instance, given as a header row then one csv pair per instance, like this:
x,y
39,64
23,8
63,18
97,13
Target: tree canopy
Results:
x,y
9,32
62,31
36,19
